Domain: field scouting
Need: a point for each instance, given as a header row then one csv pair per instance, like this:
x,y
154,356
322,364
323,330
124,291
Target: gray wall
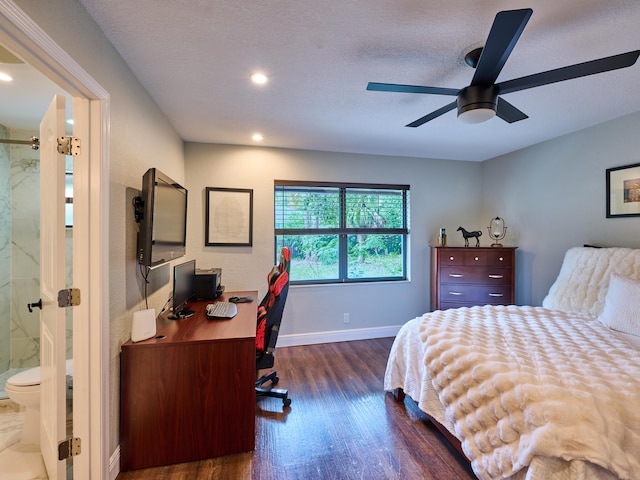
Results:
x,y
552,196
443,194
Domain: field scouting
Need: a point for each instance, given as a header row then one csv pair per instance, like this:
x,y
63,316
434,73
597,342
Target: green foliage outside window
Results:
x,y
342,232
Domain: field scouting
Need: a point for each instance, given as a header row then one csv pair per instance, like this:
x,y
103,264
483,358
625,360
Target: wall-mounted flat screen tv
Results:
x,y
161,211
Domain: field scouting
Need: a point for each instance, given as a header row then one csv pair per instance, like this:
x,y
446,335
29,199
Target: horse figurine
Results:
x,y
468,235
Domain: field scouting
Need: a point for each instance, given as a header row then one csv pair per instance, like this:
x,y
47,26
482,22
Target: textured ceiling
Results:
x,y
195,56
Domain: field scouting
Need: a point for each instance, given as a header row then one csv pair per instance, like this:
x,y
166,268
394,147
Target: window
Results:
x,y
341,232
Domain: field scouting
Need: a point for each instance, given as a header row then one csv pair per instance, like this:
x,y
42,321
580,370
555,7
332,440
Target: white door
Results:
x,y
52,280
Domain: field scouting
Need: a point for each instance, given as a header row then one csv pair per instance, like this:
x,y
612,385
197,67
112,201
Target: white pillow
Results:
x,y
622,305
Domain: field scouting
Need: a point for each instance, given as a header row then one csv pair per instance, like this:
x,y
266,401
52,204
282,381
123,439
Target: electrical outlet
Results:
x,y
346,318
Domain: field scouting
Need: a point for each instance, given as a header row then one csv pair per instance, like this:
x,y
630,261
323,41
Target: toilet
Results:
x,y
24,389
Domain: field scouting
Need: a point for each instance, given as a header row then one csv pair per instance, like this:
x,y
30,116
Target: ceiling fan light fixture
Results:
x,y
477,104
477,115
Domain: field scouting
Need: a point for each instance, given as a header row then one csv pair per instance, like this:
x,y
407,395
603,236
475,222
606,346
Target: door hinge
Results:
x,y
68,448
69,145
69,297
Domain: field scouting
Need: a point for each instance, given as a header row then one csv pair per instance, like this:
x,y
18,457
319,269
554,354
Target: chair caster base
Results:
x,y
276,393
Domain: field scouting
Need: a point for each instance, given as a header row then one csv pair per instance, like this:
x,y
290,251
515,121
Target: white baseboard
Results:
x,y
296,339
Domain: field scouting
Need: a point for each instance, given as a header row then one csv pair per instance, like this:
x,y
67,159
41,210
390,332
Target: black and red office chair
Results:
x,y
269,319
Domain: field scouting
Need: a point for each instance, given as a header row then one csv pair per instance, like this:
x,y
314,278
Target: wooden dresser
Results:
x,y
467,276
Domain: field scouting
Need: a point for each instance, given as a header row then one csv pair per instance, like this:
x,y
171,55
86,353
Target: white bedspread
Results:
x,y
534,393
524,383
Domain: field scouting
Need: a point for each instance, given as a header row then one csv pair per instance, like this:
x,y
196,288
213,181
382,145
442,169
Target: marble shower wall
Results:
x,y
20,253
25,251
5,253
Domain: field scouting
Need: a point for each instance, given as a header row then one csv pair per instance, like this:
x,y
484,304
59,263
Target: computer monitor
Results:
x,y
184,289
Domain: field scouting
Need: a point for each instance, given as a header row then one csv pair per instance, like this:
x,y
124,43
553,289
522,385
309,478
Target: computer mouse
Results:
x,y
241,299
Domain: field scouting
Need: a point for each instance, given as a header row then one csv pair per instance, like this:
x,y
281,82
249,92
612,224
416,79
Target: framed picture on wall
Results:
x,y
228,217
623,191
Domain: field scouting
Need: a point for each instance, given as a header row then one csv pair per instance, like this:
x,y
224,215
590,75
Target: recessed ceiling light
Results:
x,y
257,137
259,78
5,78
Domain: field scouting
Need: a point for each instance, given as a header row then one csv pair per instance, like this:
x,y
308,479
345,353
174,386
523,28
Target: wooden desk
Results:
x,y
188,393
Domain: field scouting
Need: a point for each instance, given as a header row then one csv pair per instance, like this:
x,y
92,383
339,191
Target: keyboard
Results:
x,y
222,310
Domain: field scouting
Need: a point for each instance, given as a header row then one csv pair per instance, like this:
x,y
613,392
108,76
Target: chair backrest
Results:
x,y
270,310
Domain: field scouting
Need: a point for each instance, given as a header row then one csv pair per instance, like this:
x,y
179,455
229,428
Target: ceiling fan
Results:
x,y
481,100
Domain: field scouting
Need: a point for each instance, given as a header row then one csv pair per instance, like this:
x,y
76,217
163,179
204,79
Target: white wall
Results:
x,y
552,196
141,137
443,194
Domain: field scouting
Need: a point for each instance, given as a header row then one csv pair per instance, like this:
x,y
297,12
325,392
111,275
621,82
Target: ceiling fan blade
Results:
x,y
432,115
392,87
508,112
505,32
601,65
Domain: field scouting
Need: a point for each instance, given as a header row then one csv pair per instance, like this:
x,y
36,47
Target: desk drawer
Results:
x,y
480,275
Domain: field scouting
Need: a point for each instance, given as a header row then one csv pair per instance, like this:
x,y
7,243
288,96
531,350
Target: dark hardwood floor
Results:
x,y
341,425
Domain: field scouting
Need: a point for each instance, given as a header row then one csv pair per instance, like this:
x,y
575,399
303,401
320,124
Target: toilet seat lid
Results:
x,y
26,378
32,376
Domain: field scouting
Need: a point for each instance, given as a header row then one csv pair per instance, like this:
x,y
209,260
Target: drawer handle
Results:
x,y
451,258
456,275
476,258
455,293
496,295
501,259
496,276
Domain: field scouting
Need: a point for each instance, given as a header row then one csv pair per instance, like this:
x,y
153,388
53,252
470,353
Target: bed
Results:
x,y
550,392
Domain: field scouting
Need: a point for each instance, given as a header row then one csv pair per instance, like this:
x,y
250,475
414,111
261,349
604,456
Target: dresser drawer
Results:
x,y
466,294
447,305
500,258
470,257
461,257
480,275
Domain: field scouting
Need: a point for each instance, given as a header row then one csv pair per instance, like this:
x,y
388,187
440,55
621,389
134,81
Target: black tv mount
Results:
x,y
138,208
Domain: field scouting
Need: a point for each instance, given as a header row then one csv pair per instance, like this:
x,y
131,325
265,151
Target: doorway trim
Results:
x,y
91,261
